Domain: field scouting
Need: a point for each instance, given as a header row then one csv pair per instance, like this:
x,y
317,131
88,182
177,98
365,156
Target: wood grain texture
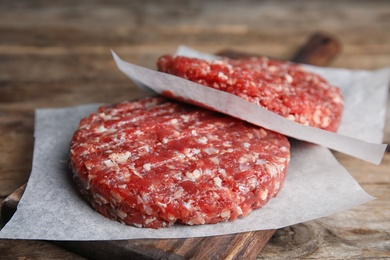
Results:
x,y
240,246
56,53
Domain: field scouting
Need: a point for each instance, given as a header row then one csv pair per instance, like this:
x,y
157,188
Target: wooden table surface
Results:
x,y
58,54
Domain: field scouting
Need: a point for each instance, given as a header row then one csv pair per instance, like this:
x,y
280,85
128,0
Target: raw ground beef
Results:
x,y
282,87
153,162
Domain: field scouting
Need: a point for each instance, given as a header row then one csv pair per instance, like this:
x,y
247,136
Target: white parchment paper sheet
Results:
x,y
316,184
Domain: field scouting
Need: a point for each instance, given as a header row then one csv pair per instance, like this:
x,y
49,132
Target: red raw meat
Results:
x,y
153,162
282,87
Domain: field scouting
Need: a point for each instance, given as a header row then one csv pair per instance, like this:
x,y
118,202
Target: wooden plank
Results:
x,y
240,246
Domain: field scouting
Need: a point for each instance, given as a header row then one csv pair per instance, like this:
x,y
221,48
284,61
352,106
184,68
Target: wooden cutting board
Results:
x,y
319,50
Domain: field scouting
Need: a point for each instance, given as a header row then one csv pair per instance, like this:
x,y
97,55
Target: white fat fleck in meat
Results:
x,y
165,140
145,197
178,176
121,214
185,118
100,129
138,132
222,76
244,167
176,133
272,68
231,81
317,116
283,149
137,173
207,172
88,165
148,210
105,116
133,170
137,225
243,188
213,137
109,163
225,214
146,148
188,205
288,78
260,162
171,217
179,155
99,198
210,150
264,194
193,176
197,219
120,157
178,193
202,140
290,117
161,205
302,119
227,143
171,166
215,160
194,133
222,172
218,182
325,121
247,145
88,186
191,152
277,186
271,169
239,210
118,198
139,199
263,133
174,121
242,159
337,99
122,186
149,220
250,135
252,183
147,166
230,150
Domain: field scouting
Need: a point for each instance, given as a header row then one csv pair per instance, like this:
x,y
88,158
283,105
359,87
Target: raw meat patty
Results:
x,y
282,87
153,162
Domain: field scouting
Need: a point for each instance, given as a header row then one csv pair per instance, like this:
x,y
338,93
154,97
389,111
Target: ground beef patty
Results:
x,y
282,87
154,162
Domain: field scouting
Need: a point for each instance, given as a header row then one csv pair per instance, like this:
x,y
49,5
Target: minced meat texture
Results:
x,y
281,87
153,162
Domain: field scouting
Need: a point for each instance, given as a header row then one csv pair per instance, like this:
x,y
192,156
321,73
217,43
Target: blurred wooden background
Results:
x,y
57,53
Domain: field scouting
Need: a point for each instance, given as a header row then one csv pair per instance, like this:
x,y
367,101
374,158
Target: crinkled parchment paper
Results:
x,y
316,184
